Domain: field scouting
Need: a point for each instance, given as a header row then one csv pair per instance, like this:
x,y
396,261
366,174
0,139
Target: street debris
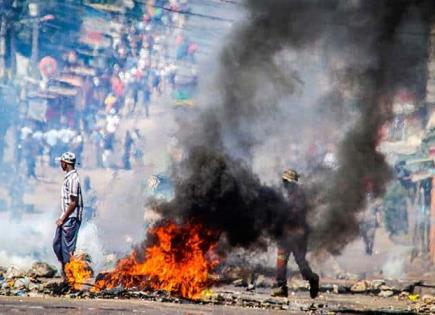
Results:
x,y
336,295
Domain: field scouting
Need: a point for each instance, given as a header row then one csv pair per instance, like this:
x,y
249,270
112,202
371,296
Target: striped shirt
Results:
x,y
71,187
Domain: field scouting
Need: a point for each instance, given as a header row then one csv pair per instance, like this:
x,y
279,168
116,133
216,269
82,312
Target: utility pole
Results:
x,y
12,49
3,28
430,101
34,12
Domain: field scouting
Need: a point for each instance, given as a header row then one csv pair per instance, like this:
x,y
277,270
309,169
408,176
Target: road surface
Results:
x,y
326,304
49,305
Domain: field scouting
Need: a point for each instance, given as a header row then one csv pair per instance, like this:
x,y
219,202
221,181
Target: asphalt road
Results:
x,y
49,305
324,304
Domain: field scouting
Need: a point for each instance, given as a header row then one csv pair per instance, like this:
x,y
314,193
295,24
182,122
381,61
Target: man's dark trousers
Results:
x,y
65,239
298,246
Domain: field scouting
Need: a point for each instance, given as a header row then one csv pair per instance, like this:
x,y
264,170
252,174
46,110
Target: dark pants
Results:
x,y
298,246
368,230
64,243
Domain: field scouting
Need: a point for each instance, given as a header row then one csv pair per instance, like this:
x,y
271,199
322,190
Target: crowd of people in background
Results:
x,y
148,59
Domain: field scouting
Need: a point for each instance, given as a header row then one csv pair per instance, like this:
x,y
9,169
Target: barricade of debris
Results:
x,y
14,281
41,280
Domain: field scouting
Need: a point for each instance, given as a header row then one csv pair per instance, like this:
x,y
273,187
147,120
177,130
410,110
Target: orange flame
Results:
x,y
178,262
77,272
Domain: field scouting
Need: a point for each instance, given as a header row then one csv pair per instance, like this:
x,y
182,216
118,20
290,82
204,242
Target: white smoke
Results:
x,y
89,242
23,242
394,266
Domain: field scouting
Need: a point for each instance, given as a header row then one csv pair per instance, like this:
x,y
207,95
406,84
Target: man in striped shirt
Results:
x,y
68,224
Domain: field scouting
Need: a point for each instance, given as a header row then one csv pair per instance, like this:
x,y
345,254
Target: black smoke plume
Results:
x,y
223,194
371,49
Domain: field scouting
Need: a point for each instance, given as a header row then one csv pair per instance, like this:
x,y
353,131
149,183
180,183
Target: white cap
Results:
x,y
67,157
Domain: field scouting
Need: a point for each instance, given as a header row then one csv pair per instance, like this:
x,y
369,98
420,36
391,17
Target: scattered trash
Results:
x,y
414,297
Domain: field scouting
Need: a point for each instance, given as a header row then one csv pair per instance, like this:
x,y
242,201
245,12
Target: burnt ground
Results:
x,y
245,302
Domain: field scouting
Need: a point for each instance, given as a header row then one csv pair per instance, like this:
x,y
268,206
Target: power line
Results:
x,y
216,18
211,17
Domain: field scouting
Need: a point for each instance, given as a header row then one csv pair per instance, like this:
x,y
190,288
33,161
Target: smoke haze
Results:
x,y
295,80
293,75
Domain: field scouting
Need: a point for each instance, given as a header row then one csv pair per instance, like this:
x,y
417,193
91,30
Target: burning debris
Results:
x,y
78,271
176,259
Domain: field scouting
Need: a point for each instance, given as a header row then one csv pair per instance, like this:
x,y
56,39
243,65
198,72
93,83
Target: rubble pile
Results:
x,y
42,280
379,288
17,282
425,305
